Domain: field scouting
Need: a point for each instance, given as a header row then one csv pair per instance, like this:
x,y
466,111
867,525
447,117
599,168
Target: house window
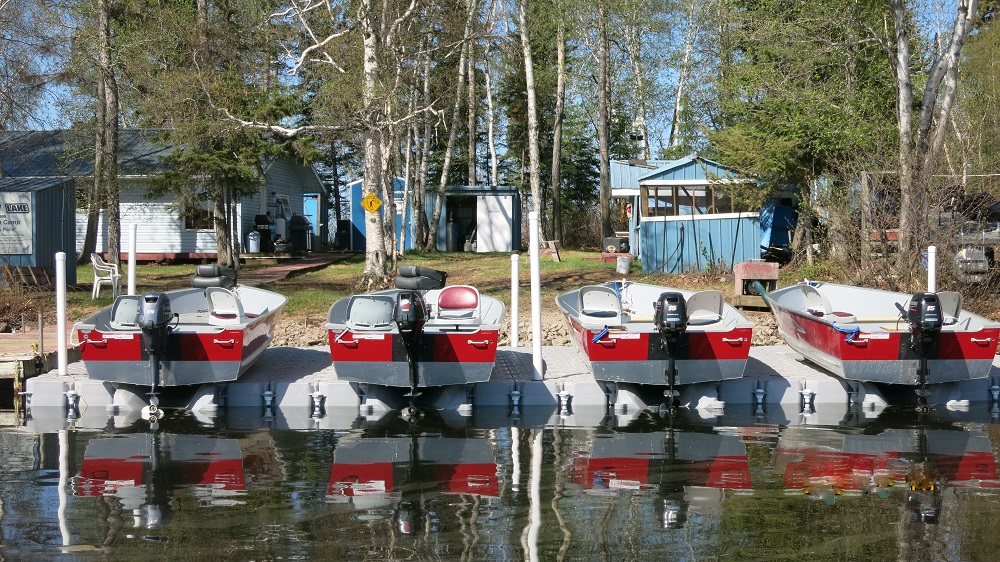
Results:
x,y
199,219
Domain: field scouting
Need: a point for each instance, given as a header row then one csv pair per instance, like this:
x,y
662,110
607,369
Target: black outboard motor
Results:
x,y
924,317
409,315
670,317
153,318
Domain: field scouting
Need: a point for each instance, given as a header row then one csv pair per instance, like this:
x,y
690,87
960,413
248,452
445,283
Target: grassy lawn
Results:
x,y
311,294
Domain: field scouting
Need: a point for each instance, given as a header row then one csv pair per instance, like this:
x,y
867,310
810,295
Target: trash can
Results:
x,y
298,228
253,242
624,264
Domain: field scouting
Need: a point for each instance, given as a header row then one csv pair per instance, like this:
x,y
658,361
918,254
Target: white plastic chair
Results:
x,y
104,272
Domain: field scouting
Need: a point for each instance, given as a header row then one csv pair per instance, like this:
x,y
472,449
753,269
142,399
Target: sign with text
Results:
x,y
15,223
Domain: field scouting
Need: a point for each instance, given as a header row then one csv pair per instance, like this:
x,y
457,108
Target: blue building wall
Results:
x,y
359,214
678,246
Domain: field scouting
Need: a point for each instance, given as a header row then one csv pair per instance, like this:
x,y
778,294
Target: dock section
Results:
x,y
301,384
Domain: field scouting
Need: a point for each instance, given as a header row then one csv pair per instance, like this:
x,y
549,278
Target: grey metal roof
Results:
x,y
32,184
70,153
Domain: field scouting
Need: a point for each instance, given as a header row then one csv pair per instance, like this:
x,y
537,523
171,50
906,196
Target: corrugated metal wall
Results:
x,y
698,244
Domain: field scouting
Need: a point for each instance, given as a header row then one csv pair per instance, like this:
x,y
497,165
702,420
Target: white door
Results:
x,y
494,217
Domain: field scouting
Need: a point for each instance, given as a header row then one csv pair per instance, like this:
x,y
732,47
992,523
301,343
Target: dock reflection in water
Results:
x,y
733,487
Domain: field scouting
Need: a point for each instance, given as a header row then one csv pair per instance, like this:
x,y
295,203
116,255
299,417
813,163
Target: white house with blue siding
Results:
x,y
162,233
682,219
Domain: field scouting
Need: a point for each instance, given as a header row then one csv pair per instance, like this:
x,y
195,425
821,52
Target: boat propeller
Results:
x,y
670,318
923,314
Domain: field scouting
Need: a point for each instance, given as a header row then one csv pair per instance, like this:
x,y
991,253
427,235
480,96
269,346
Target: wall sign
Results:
x,y
15,223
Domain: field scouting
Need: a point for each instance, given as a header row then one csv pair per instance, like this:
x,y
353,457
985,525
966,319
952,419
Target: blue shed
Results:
x,y
682,218
356,237
37,217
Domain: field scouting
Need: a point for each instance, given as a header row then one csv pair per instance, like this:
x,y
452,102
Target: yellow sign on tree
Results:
x,y
371,202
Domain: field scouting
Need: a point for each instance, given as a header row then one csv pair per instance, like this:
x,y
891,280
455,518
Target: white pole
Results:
x,y
63,486
131,259
932,269
515,288
536,297
534,497
515,458
61,310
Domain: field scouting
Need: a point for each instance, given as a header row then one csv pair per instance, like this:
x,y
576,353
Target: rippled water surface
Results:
x,y
503,486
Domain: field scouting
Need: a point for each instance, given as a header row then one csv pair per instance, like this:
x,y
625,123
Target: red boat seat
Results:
x,y
223,306
458,302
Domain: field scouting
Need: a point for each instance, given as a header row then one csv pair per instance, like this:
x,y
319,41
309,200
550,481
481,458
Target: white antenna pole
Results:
x,y
131,259
61,311
931,269
536,297
515,288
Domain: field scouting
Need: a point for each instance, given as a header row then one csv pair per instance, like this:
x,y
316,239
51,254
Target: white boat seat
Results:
x,y
124,313
598,302
951,306
370,311
458,302
223,306
816,303
705,307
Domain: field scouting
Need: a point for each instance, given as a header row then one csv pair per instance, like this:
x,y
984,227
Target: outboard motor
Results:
x,y
924,317
670,317
153,318
409,315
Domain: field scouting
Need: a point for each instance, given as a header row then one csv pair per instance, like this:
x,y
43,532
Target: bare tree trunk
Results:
x,y
472,116
453,131
108,137
557,125
375,272
682,72
422,231
603,118
490,123
918,152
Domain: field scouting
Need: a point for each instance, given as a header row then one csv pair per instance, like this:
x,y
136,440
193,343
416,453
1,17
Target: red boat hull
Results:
x,y
445,358
887,356
196,357
636,356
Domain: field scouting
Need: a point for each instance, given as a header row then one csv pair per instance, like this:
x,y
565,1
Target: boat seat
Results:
x,y
458,302
816,303
705,307
124,313
370,311
598,302
223,306
951,306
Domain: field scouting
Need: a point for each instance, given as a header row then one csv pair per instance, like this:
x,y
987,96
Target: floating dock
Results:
x,y
300,386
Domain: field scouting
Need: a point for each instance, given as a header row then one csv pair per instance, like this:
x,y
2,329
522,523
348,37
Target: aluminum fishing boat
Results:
x,y
885,337
210,332
650,334
420,334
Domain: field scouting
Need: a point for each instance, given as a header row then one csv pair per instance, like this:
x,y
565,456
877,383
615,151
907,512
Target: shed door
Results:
x,y
494,217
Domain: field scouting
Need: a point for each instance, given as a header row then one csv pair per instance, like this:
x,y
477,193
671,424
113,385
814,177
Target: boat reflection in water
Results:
x,y
145,471
402,474
916,464
685,468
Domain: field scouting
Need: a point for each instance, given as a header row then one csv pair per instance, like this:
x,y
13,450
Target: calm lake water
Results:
x,y
496,486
